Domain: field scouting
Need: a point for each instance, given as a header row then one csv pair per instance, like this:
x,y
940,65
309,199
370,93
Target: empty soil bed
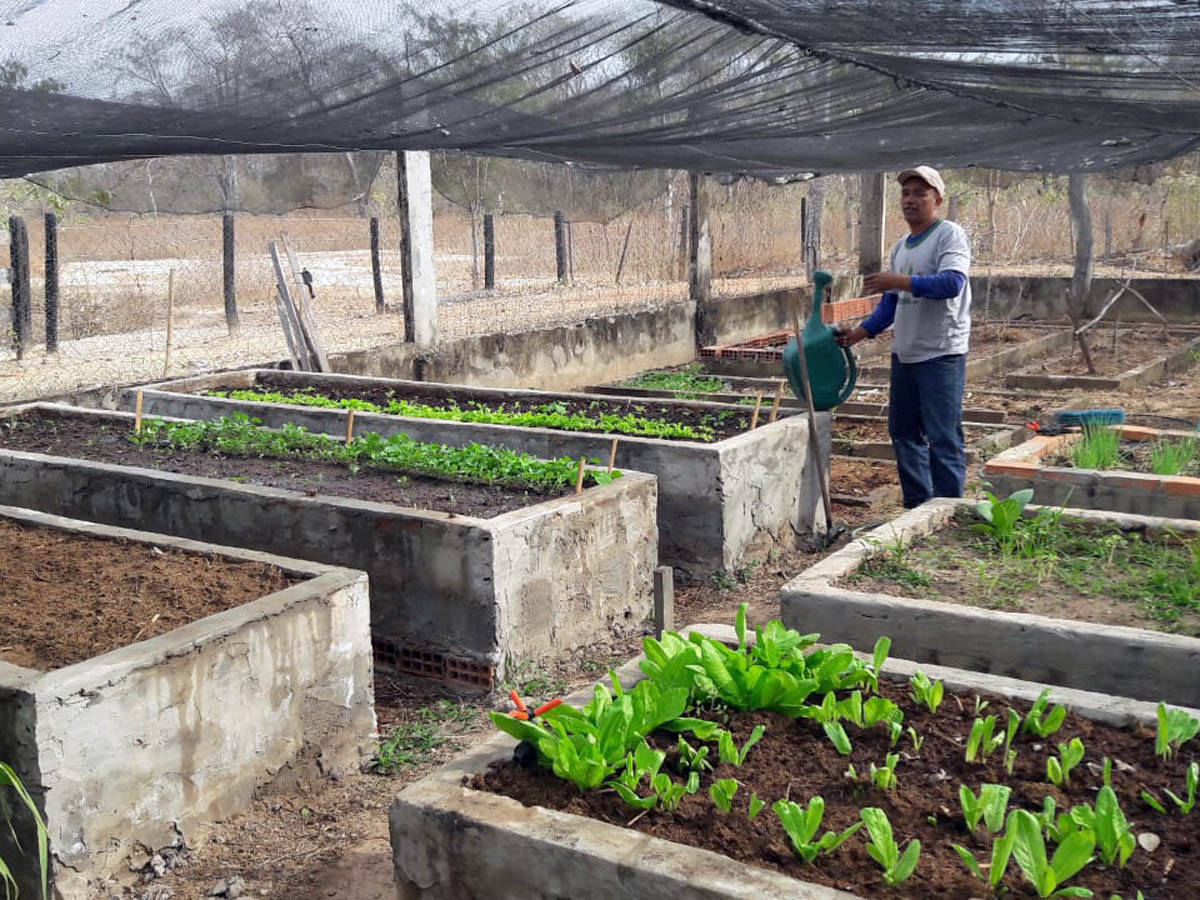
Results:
x,y
65,597
857,431
79,438
1133,348
985,342
717,425
1088,572
1137,456
856,478
796,760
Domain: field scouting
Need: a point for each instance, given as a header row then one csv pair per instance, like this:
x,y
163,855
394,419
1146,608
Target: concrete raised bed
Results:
x,y
1136,662
1144,374
453,843
1023,466
142,746
982,440
718,503
451,595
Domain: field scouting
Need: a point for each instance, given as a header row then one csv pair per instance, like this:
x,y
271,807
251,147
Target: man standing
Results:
x,y
928,298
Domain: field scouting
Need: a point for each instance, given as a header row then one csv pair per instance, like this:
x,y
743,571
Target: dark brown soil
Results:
x,y
1133,348
797,761
858,431
858,478
955,565
92,439
66,597
722,426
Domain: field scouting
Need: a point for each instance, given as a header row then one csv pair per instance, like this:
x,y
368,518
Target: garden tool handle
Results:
x,y
812,418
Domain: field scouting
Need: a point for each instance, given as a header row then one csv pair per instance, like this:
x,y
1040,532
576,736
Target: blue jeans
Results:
x,y
925,423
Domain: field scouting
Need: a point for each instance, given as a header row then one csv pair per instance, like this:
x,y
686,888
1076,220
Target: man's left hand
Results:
x,y
882,282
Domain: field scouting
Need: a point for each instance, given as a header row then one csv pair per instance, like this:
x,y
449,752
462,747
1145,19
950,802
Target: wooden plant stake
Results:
x,y
757,408
612,456
137,419
170,319
579,476
775,405
349,428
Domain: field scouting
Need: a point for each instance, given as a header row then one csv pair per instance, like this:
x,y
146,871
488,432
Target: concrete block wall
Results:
x,y
135,749
1176,299
436,578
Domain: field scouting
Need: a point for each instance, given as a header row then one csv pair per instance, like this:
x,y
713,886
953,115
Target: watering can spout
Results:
x,y
832,370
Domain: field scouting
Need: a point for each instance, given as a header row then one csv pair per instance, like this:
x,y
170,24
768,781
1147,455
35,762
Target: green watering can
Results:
x,y
832,371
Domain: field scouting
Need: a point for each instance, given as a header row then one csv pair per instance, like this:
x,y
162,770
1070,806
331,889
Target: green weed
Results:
x,y
413,743
1172,457
1098,448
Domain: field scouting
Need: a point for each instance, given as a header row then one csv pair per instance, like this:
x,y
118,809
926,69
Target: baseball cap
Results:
x,y
927,174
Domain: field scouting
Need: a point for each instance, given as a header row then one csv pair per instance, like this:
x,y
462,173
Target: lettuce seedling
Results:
x,y
756,806
692,759
1040,722
1010,755
925,691
729,750
917,741
1175,728
879,656
642,764
1184,806
801,826
1107,822
885,776
880,710
828,716
990,805
1000,517
1029,850
722,792
981,743
1001,852
882,847
1058,768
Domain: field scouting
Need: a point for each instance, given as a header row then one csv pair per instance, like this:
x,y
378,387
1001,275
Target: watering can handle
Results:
x,y
851,377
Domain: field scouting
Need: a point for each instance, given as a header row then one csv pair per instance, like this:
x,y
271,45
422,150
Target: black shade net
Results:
x,y
773,88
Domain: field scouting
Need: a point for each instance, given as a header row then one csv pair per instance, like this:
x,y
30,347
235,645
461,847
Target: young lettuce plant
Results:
x,y
1058,768
756,806
1046,875
885,776
1000,517
990,805
1184,806
722,792
981,743
926,692
1175,728
879,656
642,764
828,716
1010,755
1106,820
1001,853
692,759
882,711
801,826
728,748
1041,722
882,848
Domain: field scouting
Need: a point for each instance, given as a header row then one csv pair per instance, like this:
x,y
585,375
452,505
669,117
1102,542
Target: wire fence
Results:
x,y
114,271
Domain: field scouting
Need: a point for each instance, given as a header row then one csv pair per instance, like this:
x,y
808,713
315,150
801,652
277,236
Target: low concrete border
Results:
x,y
1144,374
1022,466
1135,662
982,439
718,503
141,746
451,595
453,843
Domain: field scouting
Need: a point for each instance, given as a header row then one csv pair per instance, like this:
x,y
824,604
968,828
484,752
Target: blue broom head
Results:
x,y
1089,417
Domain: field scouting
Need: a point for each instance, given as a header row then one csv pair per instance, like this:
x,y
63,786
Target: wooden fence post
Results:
x,y
22,310
231,313
51,283
489,252
560,246
376,265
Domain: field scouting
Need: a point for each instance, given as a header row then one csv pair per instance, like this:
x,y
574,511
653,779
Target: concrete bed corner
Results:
x,y
450,842
719,504
139,748
1023,466
1136,662
451,596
